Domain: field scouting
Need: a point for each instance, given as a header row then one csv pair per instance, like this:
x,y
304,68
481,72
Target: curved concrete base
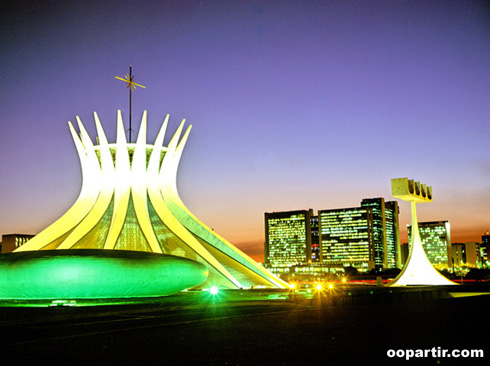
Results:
x,y
94,274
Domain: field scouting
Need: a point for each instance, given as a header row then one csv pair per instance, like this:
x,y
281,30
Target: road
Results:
x,y
241,332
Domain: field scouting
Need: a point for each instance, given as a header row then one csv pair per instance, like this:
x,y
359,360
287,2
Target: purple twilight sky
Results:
x,y
294,104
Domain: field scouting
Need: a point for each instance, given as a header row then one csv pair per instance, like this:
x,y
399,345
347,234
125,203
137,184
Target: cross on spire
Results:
x,y
131,85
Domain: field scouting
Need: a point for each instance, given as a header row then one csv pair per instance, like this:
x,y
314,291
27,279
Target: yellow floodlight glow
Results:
x,y
330,286
319,287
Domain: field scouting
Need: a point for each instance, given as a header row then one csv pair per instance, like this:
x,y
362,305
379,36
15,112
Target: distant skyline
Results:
x,y
294,104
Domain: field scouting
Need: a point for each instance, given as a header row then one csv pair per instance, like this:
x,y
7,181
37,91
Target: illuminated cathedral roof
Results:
x,y
129,201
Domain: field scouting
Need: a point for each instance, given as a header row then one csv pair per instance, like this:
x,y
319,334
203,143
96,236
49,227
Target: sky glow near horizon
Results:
x,y
294,104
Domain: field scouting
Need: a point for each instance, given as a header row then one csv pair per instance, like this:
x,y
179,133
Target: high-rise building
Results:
x,y
287,239
347,238
365,237
458,255
393,248
11,242
385,232
315,240
379,230
466,254
473,255
404,253
436,241
485,243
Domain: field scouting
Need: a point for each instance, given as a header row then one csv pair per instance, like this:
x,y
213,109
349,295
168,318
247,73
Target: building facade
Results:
x,y
485,243
379,230
466,255
287,239
393,246
436,241
385,232
315,240
458,255
365,237
473,254
404,253
347,238
11,242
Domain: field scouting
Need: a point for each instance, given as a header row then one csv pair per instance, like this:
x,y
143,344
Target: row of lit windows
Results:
x,y
286,234
434,241
287,240
341,218
347,235
350,252
19,241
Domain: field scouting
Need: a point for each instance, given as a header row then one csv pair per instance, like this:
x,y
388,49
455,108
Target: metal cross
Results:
x,y
129,80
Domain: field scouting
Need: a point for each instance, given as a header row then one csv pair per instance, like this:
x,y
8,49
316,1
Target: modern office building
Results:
x,y
485,243
287,239
393,249
404,253
11,242
466,255
385,232
315,240
379,230
436,241
458,255
365,237
473,254
347,238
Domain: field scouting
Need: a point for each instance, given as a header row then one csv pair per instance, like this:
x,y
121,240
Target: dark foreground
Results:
x,y
207,330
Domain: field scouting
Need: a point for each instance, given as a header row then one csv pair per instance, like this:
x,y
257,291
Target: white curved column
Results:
x,y
155,174
418,269
104,197
114,174
138,188
174,202
76,213
121,186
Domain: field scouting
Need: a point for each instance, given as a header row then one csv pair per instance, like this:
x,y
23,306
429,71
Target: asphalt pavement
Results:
x,y
272,330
